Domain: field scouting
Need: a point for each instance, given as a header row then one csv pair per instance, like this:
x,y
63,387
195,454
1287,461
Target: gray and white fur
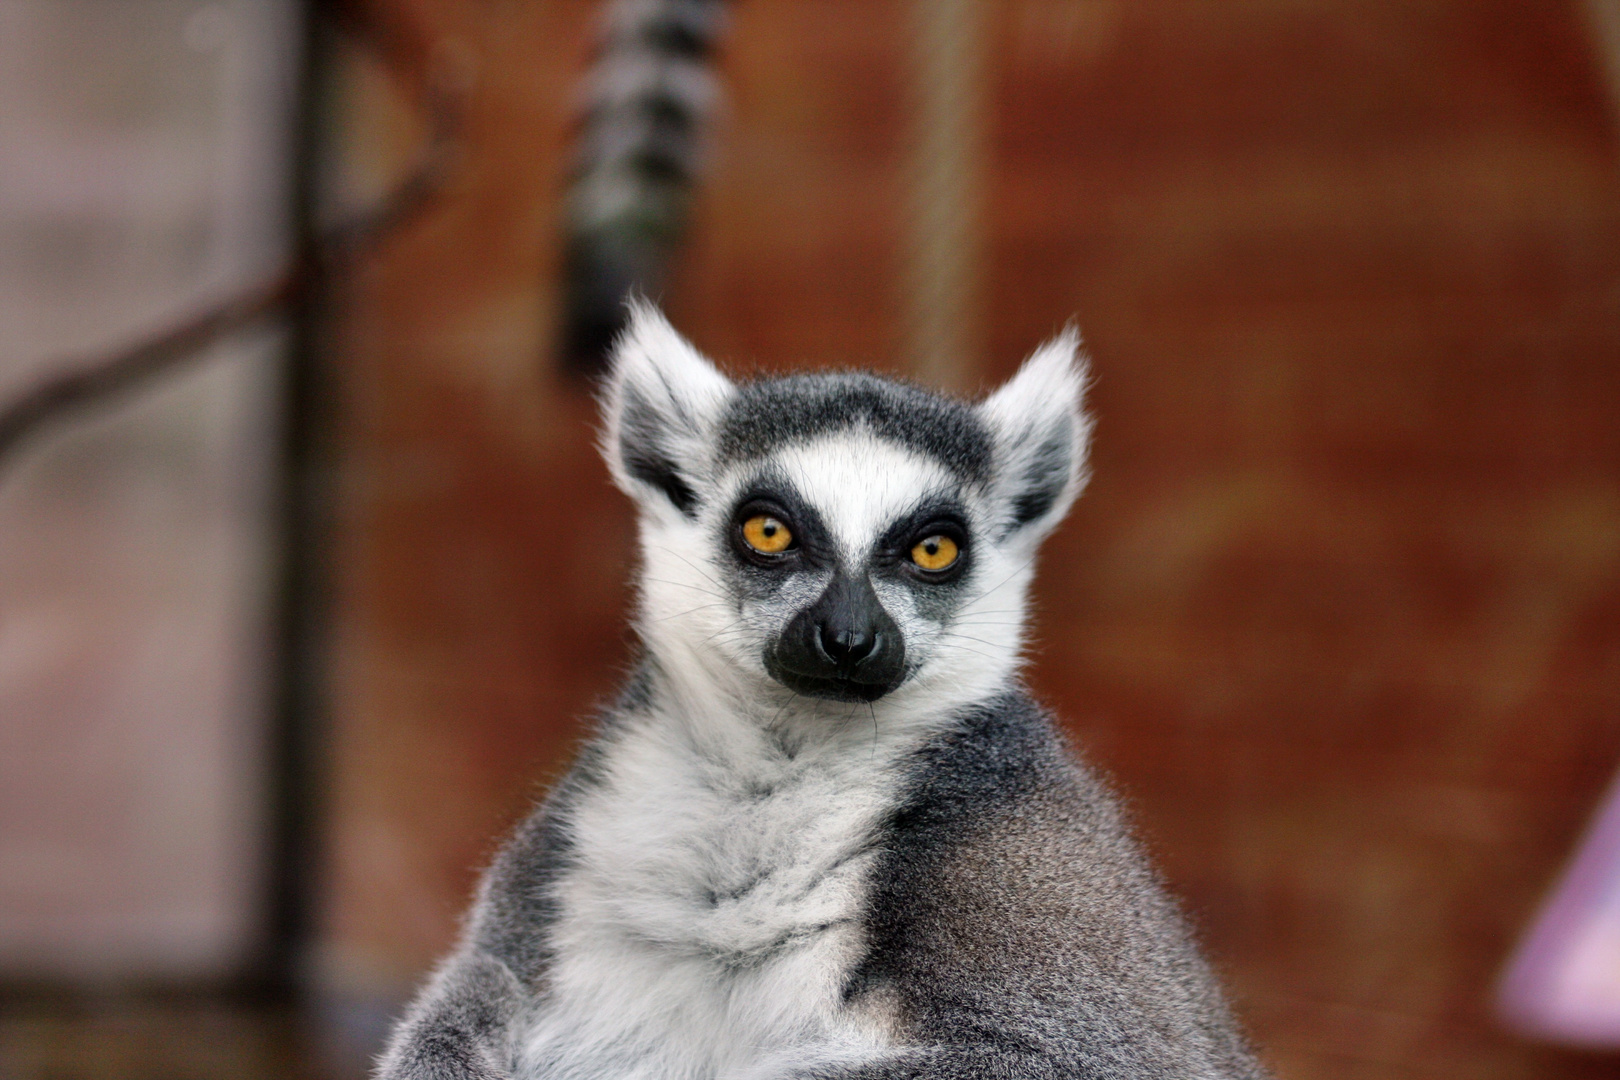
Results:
x,y
648,105
824,832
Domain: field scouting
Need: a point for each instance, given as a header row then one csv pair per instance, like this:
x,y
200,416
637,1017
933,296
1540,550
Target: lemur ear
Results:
x,y
1040,436
661,404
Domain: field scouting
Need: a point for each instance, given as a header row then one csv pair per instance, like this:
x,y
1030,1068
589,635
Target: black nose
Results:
x,y
847,646
842,646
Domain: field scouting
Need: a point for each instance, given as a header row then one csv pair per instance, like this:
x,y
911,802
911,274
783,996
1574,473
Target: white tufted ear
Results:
x,y
662,403
1040,434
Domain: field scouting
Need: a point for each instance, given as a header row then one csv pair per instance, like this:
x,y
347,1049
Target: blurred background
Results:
x,y
307,574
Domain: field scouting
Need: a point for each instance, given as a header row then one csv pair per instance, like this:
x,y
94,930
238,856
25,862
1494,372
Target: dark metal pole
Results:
x,y
303,500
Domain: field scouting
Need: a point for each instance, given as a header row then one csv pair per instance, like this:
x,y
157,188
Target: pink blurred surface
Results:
x,y
1564,982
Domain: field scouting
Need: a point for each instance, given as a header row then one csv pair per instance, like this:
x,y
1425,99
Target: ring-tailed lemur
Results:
x,y
824,832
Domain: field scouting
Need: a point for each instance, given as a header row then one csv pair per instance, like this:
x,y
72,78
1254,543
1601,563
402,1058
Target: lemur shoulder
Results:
x,y
824,832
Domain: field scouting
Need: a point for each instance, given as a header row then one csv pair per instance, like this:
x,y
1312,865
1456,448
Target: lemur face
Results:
x,y
843,536
848,555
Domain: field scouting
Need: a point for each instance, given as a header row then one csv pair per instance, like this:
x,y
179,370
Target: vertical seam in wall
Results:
x,y
945,191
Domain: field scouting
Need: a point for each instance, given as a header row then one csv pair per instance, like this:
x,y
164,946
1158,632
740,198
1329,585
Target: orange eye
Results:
x,y
935,553
767,535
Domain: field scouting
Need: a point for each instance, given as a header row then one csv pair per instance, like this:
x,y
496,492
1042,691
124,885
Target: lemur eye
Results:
x,y
935,553
767,535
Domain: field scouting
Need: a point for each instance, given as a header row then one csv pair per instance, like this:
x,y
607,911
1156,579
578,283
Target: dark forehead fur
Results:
x,y
770,412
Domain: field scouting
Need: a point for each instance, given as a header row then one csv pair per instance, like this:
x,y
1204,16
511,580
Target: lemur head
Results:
x,y
845,536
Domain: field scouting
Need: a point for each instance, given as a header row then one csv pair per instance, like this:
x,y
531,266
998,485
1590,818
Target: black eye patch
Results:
x,y
934,517
774,497
913,525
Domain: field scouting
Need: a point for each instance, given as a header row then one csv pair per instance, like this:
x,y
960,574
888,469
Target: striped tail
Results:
x,y
649,101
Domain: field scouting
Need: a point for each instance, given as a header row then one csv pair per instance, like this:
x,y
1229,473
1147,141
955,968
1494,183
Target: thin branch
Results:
x,y
439,89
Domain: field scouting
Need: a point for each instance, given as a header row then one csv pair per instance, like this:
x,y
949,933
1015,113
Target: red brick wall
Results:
x,y
1341,610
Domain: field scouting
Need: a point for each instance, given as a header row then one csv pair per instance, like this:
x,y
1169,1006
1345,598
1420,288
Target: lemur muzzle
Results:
x,y
844,646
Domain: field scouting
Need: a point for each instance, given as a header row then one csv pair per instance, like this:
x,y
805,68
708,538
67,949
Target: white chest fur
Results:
x,y
711,917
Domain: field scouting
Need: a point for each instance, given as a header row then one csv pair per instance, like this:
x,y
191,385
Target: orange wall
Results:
x,y
1341,610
